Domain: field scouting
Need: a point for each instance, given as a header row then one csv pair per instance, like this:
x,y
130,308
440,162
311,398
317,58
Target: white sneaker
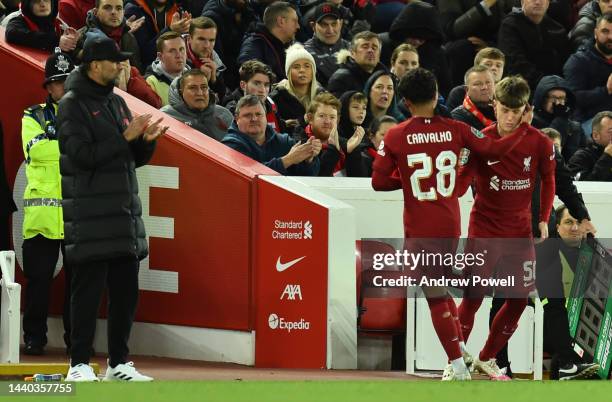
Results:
x,y
469,360
81,373
125,372
450,375
491,369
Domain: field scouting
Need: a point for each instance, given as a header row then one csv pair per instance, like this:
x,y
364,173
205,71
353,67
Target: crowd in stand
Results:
x,y
289,53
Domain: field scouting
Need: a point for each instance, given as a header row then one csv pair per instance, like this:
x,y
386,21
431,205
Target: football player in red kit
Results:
x,y
426,149
500,221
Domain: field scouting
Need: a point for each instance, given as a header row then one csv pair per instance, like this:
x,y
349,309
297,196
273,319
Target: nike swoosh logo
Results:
x,y
492,163
572,370
280,267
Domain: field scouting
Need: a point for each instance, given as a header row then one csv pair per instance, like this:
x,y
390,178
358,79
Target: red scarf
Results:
x,y
340,165
471,107
193,58
116,34
35,28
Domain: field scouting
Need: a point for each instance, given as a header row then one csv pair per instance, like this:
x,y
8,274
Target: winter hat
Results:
x,y
297,52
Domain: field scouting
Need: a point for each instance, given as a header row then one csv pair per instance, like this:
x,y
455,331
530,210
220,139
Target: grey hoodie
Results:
x,y
212,121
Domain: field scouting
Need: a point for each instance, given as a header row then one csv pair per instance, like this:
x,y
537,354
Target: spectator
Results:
x,y
553,102
489,57
356,65
160,16
104,240
256,79
38,27
477,109
470,26
353,110
327,41
594,162
233,18
74,12
322,119
131,81
294,94
250,135
404,58
171,62
534,44
349,22
359,163
584,28
107,17
43,226
191,102
270,39
201,53
419,24
380,91
554,136
593,90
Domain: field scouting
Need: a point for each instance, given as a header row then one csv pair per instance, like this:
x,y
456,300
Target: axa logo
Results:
x,y
292,292
494,183
308,230
280,266
527,164
276,322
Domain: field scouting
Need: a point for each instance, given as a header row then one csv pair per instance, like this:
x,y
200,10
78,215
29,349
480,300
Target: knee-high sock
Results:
x,y
455,314
503,327
467,312
445,327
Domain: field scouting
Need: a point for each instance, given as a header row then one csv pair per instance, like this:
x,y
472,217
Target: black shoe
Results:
x,y
33,349
573,371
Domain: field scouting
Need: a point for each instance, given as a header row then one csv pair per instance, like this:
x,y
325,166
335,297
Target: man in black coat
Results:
x,y
476,109
594,162
100,148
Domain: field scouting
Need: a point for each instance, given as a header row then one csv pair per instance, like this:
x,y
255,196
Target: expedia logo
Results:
x,y
276,322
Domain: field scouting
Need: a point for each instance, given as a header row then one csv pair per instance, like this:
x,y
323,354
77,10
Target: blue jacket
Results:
x,y
263,46
270,153
586,73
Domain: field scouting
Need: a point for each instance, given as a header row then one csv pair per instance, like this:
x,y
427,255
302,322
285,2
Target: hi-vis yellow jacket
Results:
x,y
42,199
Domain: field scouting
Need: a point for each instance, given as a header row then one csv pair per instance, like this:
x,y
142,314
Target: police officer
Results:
x,y
43,224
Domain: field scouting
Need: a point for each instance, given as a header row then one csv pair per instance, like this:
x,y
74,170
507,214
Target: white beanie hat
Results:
x,y
297,52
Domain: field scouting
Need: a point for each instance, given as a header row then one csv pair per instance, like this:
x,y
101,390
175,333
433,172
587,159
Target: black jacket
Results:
x,y
464,18
583,30
329,155
359,162
462,114
263,46
325,57
586,73
532,50
591,164
288,106
102,210
31,31
572,135
350,77
455,97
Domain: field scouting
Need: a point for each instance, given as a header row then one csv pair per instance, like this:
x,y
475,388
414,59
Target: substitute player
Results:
x,y
500,221
426,150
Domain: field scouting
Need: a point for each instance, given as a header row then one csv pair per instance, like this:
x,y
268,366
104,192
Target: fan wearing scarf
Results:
x,y
38,27
476,109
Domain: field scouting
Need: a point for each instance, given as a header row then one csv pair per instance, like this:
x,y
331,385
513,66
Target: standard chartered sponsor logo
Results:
x,y
497,184
292,230
276,322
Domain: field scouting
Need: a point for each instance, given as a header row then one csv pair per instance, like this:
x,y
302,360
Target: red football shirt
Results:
x,y
504,186
426,151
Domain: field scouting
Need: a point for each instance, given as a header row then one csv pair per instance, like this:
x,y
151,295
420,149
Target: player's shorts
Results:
x,y
431,261
508,267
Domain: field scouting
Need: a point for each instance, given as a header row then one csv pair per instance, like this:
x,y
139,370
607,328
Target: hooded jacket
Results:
x,y
263,46
350,76
532,50
586,73
325,57
102,210
126,40
147,34
420,20
213,121
160,80
583,30
392,111
572,135
32,31
270,152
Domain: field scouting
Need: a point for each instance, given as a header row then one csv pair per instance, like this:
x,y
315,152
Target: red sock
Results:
x,y
445,327
454,313
467,312
503,327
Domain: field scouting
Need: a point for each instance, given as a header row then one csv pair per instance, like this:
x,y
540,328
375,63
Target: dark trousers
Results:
x,y
39,259
120,278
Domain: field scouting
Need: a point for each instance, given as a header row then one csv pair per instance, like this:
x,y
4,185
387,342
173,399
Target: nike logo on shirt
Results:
x,y
492,162
280,267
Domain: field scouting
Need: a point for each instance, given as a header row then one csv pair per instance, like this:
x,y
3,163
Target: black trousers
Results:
x,y
39,259
120,278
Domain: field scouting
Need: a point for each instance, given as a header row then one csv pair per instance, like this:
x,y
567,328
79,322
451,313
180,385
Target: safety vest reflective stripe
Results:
x,y
42,202
32,142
